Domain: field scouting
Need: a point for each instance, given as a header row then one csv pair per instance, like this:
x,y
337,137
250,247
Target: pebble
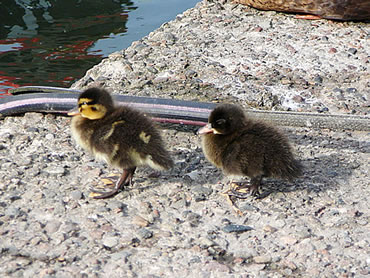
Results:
x,y
352,50
298,99
201,193
76,195
140,221
69,227
303,233
194,219
52,226
194,175
216,267
116,205
351,90
121,256
160,79
49,136
287,240
232,228
110,241
318,79
144,233
55,170
269,229
362,222
206,242
263,259
13,212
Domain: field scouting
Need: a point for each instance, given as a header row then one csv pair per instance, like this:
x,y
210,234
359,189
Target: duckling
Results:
x,y
245,147
119,135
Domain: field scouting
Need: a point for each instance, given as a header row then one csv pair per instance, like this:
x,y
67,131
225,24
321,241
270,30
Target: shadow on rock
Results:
x,y
320,174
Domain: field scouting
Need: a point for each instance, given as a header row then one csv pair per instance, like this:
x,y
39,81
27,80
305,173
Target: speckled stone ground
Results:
x,y
230,52
179,223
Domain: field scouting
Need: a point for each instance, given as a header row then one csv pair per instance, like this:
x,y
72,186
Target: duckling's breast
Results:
x,y
213,149
81,133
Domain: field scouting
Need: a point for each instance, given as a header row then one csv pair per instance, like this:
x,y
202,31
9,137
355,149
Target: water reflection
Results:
x,y
54,42
43,40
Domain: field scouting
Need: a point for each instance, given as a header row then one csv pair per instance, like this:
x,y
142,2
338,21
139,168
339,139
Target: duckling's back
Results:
x,y
259,149
126,138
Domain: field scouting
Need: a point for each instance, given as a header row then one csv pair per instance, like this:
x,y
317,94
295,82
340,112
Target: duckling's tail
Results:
x,y
167,163
162,161
293,170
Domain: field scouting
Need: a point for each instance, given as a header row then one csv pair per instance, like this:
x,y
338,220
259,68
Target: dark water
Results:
x,y
53,43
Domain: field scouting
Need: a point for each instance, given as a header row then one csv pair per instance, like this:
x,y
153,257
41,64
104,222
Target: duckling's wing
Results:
x,y
131,140
231,164
107,144
244,155
146,146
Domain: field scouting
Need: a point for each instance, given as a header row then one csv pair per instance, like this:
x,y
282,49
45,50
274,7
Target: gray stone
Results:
x,y
193,218
145,233
232,228
76,195
52,226
352,50
13,212
140,221
262,259
55,170
201,193
69,227
110,241
49,136
121,256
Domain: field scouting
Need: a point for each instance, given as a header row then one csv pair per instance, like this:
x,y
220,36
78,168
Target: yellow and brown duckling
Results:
x,y
245,147
329,9
120,135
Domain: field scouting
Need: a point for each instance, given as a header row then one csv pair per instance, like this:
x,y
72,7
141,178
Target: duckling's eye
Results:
x,y
220,122
94,108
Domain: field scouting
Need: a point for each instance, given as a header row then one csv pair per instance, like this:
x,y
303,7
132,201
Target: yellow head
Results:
x,y
93,104
91,110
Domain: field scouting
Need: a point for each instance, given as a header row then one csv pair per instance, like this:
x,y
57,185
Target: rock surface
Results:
x,y
220,51
174,224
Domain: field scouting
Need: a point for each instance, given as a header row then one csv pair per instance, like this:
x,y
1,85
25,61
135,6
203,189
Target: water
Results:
x,y
53,43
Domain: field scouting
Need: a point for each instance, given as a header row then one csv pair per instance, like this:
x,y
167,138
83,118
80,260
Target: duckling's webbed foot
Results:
x,y
126,179
242,190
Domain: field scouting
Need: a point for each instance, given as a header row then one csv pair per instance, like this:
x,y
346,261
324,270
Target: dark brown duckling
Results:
x,y
244,147
121,136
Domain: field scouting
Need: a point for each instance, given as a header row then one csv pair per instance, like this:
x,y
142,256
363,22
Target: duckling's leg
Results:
x,y
231,200
130,175
126,179
241,189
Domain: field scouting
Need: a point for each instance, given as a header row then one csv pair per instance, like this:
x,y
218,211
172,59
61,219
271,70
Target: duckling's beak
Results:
x,y
206,129
73,112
